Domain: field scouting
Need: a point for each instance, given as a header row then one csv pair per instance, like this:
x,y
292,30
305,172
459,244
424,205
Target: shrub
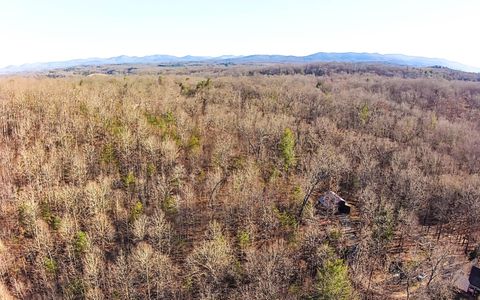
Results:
x,y
384,227
433,120
286,218
334,234
151,169
129,180
108,155
332,281
193,143
76,289
136,211
297,194
51,219
211,262
55,222
287,145
273,174
204,84
27,216
159,231
244,239
163,121
169,204
115,126
364,114
50,265
187,90
139,228
81,242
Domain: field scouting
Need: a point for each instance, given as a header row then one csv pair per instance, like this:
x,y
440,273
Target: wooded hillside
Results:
x,y
179,186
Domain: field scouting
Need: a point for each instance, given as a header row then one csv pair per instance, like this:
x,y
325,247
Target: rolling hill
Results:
x,y
351,57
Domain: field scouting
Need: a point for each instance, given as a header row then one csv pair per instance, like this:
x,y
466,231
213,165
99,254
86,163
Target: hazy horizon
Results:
x,y
222,55
34,32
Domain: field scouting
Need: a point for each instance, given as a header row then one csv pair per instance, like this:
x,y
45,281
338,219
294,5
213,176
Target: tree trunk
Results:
x,y
369,279
439,232
467,244
408,288
305,200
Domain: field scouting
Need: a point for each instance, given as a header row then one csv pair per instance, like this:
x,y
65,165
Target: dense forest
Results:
x,y
202,182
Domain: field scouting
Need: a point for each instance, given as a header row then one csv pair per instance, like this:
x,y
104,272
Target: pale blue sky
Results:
x,y
48,30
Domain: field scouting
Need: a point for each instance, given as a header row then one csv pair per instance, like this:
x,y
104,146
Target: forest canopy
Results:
x,y
181,183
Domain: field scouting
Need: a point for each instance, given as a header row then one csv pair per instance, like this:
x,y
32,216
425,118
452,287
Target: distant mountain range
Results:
x,y
351,57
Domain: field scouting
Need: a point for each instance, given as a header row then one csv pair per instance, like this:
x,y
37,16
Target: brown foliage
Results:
x,y
141,170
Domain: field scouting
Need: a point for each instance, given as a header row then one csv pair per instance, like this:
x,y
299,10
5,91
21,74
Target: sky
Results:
x,y
55,30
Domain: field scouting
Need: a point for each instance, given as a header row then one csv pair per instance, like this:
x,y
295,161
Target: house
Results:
x,y
333,202
474,281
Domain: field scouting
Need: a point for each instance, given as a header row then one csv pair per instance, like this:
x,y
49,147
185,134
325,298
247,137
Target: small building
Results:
x,y
474,281
333,202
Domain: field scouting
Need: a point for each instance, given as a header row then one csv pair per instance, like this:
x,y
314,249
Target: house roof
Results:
x,y
474,277
331,199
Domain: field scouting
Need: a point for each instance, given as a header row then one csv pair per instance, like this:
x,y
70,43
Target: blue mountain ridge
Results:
x,y
351,57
